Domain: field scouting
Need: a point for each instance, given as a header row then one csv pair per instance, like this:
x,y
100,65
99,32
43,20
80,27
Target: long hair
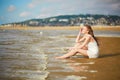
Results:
x,y
91,32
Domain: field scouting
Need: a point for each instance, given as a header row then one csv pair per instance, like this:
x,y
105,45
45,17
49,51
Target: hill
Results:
x,y
72,20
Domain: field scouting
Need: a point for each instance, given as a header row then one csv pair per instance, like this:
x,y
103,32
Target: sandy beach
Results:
x,y
28,54
113,28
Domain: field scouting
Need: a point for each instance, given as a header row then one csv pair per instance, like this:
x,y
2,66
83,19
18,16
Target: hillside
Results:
x,y
72,20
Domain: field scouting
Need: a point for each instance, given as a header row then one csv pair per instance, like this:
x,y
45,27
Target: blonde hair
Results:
x,y
91,32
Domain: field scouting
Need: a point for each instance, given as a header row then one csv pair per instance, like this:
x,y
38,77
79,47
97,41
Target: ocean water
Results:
x,y
29,54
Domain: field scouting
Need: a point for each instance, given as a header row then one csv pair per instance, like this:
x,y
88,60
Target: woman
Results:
x,y
88,47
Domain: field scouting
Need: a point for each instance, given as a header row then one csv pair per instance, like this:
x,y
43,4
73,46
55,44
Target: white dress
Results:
x,y
93,50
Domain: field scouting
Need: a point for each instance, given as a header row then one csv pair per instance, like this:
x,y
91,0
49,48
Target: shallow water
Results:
x,y
29,55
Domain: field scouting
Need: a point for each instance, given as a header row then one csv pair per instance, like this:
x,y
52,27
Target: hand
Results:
x,y
80,29
71,48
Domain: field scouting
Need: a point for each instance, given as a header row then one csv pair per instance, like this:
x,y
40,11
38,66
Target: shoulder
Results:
x,y
88,36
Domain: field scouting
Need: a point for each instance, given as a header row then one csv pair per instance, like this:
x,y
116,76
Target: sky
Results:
x,y
21,10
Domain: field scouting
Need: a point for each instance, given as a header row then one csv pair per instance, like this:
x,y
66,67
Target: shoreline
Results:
x,y
109,28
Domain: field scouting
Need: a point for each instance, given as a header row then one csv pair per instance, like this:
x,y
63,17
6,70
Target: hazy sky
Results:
x,y
20,10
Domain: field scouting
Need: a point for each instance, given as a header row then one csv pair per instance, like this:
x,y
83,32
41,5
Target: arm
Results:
x,y
82,39
78,36
85,42
78,39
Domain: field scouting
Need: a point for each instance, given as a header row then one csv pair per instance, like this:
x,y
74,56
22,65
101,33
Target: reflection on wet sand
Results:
x,y
78,67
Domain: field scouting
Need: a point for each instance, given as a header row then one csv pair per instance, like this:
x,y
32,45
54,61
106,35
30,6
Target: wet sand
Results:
x,y
106,67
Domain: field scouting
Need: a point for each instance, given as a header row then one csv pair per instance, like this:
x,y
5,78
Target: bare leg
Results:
x,y
73,52
82,51
75,46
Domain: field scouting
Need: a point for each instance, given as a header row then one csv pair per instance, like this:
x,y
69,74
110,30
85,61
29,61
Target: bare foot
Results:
x,y
70,48
61,57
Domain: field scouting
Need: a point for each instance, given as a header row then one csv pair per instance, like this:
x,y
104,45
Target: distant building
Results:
x,y
7,25
63,20
53,19
90,18
33,23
